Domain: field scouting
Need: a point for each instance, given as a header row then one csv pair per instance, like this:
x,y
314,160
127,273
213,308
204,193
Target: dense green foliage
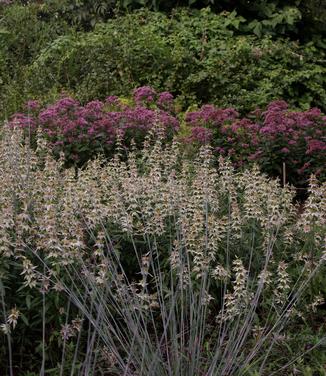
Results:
x,y
297,18
23,34
197,55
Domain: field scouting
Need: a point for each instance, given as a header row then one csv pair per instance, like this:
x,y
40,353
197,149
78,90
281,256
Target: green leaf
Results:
x,y
126,3
258,29
25,319
4,31
236,24
28,301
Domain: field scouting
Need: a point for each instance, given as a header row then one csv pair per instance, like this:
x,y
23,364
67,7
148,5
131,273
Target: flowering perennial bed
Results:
x,y
272,138
83,131
173,265
269,138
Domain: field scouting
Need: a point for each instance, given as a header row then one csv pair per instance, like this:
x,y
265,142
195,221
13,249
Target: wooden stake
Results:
x,y
284,174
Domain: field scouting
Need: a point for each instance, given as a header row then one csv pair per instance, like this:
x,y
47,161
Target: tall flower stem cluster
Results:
x,y
176,267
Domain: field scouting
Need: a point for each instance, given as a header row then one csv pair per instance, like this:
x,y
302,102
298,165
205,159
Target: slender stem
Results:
x,y
11,373
64,341
42,371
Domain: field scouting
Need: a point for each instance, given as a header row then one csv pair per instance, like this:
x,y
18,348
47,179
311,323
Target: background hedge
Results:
x,y
200,56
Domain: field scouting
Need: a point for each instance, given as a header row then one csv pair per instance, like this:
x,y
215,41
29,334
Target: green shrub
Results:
x,y
23,34
196,55
294,18
27,33
200,56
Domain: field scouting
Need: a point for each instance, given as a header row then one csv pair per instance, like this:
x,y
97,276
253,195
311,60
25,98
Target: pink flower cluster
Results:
x,y
68,125
270,138
200,134
146,95
209,115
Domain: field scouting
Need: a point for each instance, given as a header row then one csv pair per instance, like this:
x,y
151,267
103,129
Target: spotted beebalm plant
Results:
x,y
179,267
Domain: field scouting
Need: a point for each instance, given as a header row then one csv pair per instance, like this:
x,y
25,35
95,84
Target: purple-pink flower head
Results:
x,y
313,113
22,121
66,103
235,126
201,135
112,100
210,115
277,106
303,168
144,94
316,145
220,150
32,105
255,155
165,101
94,106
